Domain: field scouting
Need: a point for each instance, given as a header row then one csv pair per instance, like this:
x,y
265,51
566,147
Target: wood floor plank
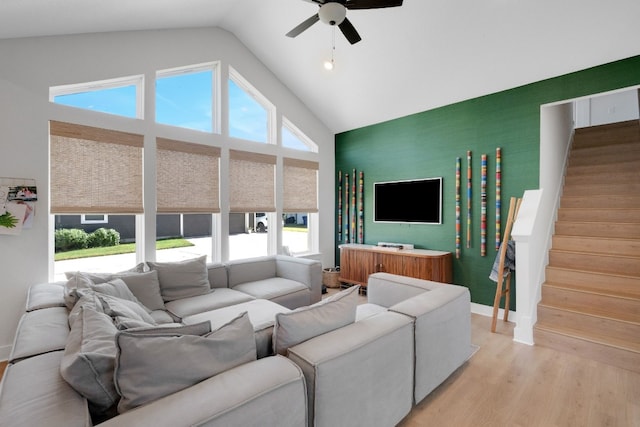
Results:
x,y
511,384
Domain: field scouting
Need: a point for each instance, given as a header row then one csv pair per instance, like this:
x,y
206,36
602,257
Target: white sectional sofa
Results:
x,y
300,361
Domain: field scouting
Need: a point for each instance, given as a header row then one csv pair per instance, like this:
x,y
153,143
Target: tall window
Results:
x,y
300,203
251,196
187,183
93,171
292,137
185,97
250,114
122,97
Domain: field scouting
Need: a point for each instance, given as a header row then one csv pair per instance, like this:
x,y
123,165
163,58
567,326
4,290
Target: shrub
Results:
x,y
103,237
70,239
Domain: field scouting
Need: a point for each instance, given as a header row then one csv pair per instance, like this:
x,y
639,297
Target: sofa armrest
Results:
x,y
268,391
366,364
387,289
442,319
303,270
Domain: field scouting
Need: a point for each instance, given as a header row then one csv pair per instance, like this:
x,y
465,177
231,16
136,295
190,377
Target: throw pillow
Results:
x,y
89,358
116,288
145,286
182,279
153,363
305,323
79,280
115,307
75,281
86,298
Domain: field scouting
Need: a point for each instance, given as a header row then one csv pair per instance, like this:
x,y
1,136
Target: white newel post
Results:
x,y
529,235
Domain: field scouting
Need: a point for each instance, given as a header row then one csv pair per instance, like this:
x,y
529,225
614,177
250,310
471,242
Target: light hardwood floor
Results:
x,y
510,384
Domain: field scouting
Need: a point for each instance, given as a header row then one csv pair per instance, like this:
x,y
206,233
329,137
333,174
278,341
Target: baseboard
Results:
x,y
5,351
487,310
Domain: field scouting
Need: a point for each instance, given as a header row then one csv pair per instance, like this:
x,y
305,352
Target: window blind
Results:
x,y
187,177
300,185
95,170
251,182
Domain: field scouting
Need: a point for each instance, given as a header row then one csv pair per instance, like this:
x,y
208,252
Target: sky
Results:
x,y
186,100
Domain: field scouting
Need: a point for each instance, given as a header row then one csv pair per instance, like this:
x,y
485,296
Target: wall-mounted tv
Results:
x,y
416,201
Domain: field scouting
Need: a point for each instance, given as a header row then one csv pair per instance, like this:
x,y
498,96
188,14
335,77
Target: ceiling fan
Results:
x,y
334,12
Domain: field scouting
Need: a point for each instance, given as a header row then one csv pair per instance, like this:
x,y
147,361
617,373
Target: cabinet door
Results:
x,y
419,267
356,265
389,263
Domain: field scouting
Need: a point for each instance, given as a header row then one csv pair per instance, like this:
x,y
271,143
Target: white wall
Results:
x,y
613,107
30,66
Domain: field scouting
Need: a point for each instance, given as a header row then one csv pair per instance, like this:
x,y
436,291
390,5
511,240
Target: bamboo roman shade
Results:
x,y
188,177
95,170
300,186
251,182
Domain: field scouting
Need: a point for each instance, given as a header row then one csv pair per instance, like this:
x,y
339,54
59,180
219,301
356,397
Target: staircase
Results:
x,y
591,298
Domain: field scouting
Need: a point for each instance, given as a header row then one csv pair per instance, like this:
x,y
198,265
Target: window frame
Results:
x,y
76,88
84,220
216,98
287,124
254,93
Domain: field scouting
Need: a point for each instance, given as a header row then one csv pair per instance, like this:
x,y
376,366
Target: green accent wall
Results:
x,y
426,145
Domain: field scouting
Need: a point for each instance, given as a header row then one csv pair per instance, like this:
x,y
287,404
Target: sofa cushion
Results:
x,y
40,331
34,394
182,279
87,298
158,362
145,286
114,307
89,357
305,323
262,314
213,300
79,280
366,310
162,316
117,288
271,288
250,270
45,295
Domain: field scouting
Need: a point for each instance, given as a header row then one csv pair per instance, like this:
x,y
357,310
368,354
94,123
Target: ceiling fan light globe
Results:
x,y
332,13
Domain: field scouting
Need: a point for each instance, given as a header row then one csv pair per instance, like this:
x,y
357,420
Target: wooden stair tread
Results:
x,y
623,246
591,337
594,312
605,291
599,215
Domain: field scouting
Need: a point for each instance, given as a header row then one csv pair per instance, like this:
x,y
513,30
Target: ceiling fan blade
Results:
x,y
349,31
303,26
372,4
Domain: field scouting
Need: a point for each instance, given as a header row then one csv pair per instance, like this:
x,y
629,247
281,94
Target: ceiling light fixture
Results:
x,y
332,13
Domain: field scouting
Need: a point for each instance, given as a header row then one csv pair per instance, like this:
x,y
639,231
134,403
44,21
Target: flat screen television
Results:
x,y
417,201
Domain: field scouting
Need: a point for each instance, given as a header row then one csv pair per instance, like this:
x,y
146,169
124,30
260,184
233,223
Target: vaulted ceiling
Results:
x,y
422,55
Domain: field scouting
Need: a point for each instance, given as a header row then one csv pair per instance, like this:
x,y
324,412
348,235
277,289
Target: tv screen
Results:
x,y
415,201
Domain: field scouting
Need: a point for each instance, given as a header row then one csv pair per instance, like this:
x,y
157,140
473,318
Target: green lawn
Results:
x,y
124,248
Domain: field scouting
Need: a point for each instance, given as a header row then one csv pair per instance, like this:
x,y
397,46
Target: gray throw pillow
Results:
x,y
89,358
182,279
86,298
145,286
81,279
114,307
117,288
305,323
153,363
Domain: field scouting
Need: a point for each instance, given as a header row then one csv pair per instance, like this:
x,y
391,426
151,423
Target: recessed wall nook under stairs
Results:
x,y
590,302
